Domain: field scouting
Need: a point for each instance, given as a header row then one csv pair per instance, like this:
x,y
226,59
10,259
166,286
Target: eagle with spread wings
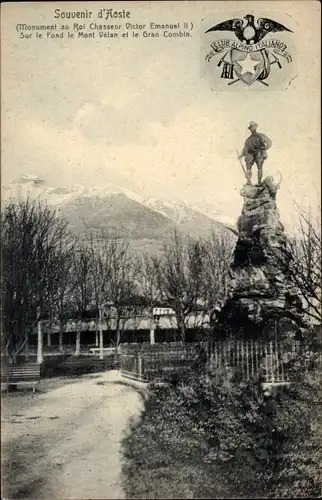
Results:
x,y
247,31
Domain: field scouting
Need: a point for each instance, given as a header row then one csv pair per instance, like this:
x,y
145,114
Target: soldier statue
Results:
x,y
254,151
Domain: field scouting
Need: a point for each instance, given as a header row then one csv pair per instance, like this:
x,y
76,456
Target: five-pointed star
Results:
x,y
248,65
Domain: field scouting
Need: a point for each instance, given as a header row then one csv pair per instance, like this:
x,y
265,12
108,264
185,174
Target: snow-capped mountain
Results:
x,y
116,208
181,212
177,211
35,187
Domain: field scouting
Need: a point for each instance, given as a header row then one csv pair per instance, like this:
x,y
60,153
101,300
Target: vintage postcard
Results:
x,y
161,249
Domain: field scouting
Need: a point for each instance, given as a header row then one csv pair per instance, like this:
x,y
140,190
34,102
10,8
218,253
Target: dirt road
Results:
x,y
66,443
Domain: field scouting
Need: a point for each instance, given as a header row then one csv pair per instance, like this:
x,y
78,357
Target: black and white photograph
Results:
x,y
161,328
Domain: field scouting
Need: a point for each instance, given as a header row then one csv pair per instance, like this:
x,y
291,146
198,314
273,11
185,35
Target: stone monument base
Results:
x,y
262,304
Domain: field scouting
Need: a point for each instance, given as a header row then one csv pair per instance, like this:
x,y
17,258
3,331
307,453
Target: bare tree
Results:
x,y
101,279
114,281
218,250
62,295
180,273
82,289
32,239
123,284
148,286
300,261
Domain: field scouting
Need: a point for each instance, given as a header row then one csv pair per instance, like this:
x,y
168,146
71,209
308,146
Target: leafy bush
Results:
x,y
214,438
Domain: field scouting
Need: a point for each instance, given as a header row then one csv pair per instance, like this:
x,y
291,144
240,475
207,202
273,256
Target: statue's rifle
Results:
x,y
242,166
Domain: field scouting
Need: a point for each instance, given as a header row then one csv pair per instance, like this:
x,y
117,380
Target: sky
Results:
x,y
138,113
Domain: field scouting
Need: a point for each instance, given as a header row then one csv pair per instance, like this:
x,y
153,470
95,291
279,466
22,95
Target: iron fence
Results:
x,y
270,362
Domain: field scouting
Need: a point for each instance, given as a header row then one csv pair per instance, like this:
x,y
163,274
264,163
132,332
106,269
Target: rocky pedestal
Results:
x,y
261,304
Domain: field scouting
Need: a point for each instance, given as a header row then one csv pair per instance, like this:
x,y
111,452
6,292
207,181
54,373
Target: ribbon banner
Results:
x,y
220,45
248,63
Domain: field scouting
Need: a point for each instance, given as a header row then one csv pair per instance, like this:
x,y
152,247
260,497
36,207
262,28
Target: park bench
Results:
x,y
96,350
26,373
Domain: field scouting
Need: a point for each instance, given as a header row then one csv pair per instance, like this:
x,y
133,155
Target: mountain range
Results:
x,y
146,222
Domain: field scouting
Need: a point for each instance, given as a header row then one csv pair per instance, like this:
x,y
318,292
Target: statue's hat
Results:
x,y
252,124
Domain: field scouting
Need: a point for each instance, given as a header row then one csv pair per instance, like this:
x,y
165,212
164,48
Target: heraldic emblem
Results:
x,y
249,56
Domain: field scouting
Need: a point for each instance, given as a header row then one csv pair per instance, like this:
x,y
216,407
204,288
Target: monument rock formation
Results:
x,y
261,303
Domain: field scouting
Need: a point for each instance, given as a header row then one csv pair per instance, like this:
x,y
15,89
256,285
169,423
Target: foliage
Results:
x,y
213,438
